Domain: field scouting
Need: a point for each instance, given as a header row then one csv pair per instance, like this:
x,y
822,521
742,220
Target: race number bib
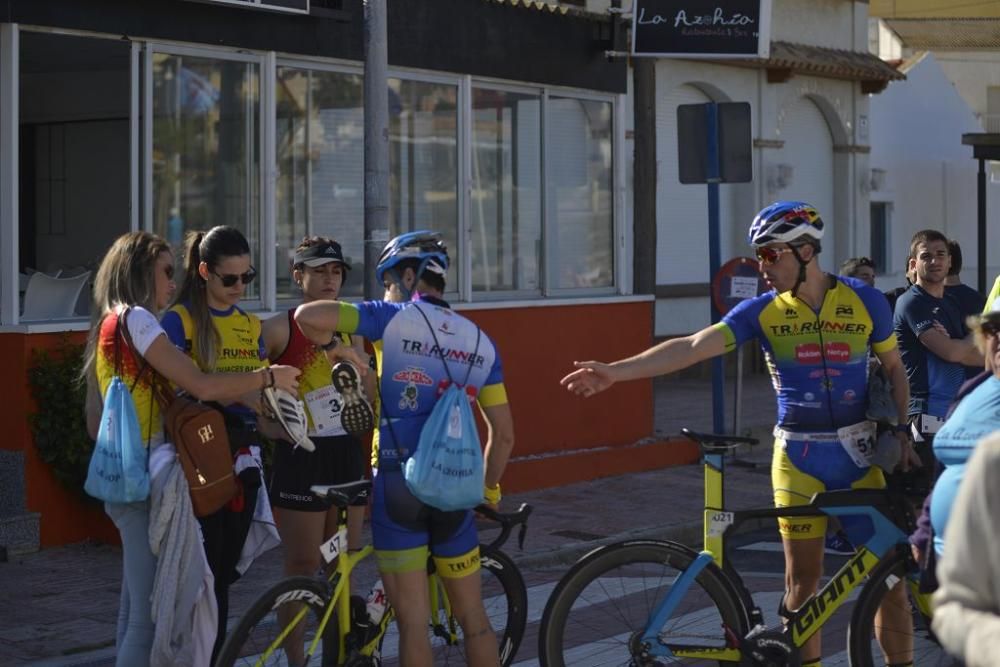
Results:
x,y
324,406
859,442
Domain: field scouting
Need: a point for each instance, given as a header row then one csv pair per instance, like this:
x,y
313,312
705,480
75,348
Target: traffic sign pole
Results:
x,y
714,253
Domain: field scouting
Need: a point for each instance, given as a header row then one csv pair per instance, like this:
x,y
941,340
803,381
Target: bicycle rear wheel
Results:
x,y
599,609
506,600
255,641
911,627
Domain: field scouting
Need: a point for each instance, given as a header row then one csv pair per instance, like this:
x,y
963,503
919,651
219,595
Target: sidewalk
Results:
x,y
59,606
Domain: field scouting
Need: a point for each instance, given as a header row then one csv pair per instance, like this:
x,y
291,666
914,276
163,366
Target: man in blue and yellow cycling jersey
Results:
x,y
817,331
412,335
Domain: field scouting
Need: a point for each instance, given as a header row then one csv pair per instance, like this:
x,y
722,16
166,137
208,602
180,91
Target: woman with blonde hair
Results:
x,y
133,284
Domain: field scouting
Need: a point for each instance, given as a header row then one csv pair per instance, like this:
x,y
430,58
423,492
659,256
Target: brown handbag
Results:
x,y
199,435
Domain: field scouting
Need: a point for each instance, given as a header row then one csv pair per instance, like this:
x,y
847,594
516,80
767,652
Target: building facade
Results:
x,y
506,134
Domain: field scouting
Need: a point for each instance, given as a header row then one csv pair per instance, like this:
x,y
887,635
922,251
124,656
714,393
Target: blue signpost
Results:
x,y
714,147
713,177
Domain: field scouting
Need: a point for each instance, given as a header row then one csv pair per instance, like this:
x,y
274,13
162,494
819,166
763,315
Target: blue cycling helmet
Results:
x,y
423,245
785,222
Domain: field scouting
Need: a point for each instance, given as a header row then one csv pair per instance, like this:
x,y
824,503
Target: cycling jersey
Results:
x,y
144,329
322,402
411,374
241,350
933,381
992,296
818,360
411,377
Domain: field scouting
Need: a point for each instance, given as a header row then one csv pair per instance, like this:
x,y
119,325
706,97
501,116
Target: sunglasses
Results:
x,y
990,328
770,255
229,279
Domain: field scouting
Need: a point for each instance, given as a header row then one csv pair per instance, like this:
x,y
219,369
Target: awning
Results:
x,y
947,34
789,58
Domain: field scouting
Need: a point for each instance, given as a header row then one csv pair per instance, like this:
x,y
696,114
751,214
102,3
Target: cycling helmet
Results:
x,y
785,222
422,245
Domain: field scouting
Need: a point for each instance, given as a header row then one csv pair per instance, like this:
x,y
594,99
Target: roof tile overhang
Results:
x,y
789,58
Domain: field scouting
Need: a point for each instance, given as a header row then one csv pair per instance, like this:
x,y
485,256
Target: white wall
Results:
x,y
971,73
917,128
829,23
806,122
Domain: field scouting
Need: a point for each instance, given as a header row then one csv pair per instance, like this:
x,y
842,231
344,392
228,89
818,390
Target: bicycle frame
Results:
x,y
340,597
811,616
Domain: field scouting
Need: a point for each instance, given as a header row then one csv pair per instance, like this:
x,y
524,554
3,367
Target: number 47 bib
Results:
x,y
858,441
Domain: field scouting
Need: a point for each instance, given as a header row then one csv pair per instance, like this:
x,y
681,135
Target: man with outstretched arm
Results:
x,y
414,336
817,331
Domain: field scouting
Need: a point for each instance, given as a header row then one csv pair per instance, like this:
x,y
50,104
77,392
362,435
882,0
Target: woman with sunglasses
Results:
x,y
137,273
207,323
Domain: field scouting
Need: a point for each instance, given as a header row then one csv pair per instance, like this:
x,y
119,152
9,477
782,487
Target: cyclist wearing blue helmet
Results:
x,y
817,332
413,332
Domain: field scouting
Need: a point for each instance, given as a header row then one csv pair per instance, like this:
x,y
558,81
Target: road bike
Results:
x,y
651,602
317,621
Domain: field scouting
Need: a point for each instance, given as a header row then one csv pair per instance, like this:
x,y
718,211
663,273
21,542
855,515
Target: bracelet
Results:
x,y
334,342
491,494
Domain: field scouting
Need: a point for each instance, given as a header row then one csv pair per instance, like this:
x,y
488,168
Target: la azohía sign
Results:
x,y
701,29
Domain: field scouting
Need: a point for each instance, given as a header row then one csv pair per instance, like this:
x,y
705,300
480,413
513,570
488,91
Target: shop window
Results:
x,y
73,163
206,148
506,201
320,155
423,162
580,231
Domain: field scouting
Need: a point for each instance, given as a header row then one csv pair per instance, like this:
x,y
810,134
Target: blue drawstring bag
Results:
x,y
118,471
446,471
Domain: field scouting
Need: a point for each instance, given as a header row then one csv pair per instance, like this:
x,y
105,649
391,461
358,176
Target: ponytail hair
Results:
x,y
209,247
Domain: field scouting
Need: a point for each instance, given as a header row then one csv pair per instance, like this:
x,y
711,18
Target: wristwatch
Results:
x,y
902,428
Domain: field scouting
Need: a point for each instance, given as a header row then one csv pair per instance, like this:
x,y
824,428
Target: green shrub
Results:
x,y
60,427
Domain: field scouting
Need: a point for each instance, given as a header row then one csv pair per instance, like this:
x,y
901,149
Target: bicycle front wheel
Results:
x,y
902,631
598,611
295,604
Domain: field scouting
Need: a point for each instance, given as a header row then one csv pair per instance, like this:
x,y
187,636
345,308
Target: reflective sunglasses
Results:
x,y
989,328
767,255
229,279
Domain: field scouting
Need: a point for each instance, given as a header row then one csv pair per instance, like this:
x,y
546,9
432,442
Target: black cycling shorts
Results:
x,y
337,460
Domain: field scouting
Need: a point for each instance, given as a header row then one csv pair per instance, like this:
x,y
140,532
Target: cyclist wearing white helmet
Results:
x,y
414,331
816,331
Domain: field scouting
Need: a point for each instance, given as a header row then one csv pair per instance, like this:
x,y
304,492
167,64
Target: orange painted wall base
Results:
x,y
559,438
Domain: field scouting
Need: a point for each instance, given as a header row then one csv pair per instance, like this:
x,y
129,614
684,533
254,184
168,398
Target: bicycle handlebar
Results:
x,y
715,443
507,521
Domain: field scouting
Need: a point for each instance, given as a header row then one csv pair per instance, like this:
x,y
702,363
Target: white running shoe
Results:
x,y
291,414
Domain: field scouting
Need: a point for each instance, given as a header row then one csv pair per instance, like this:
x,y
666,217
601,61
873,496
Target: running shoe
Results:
x,y
291,414
839,544
357,416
